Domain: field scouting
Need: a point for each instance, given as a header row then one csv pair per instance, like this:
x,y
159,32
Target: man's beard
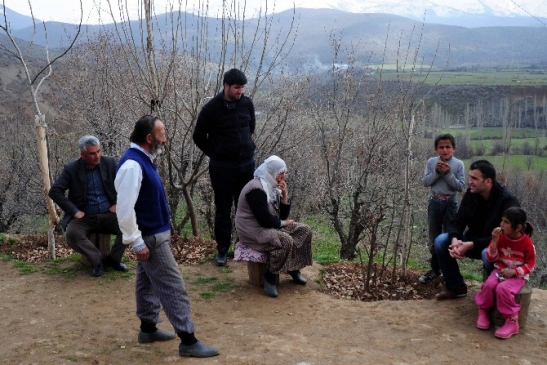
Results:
x,y
157,149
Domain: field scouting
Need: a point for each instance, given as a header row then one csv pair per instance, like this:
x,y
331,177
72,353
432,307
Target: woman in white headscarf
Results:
x,y
262,224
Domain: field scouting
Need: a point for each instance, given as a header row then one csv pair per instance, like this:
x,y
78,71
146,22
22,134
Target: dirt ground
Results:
x,y
69,317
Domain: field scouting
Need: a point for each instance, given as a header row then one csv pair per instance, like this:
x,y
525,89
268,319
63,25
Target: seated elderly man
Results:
x,y
91,204
262,224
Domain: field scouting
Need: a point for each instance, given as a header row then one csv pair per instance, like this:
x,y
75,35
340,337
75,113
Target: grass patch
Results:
x,y
25,268
211,286
207,295
224,286
204,280
60,267
325,243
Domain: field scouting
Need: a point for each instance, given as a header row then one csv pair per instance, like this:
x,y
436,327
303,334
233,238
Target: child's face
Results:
x,y
444,149
505,226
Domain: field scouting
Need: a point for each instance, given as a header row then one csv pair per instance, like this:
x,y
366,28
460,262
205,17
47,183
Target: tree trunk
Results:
x,y
53,219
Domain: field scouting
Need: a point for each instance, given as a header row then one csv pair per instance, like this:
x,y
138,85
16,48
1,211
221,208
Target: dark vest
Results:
x,y
151,207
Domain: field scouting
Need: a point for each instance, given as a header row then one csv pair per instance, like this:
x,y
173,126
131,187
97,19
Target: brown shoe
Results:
x,y
460,292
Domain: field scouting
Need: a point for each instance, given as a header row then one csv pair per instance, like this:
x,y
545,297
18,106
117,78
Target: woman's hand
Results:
x,y
287,222
282,185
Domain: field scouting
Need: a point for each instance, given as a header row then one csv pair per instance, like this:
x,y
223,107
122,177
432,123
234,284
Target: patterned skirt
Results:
x,y
295,250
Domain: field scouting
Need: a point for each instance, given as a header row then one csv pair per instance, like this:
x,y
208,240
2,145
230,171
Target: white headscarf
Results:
x,y
267,172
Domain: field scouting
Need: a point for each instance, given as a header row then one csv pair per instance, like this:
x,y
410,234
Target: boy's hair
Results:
x,y
486,168
234,77
516,216
445,137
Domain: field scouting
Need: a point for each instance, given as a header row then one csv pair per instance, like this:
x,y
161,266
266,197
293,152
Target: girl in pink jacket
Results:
x,y
514,257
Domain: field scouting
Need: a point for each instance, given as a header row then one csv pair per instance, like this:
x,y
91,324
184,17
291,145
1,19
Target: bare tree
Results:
x,y
365,128
35,80
170,65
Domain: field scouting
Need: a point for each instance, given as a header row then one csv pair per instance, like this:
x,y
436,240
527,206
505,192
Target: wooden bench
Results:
x,y
102,242
256,263
523,297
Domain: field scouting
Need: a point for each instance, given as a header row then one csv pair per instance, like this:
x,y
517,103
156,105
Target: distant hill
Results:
x,y
16,21
366,33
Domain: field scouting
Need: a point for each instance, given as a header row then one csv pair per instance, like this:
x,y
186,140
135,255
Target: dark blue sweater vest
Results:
x,y
151,207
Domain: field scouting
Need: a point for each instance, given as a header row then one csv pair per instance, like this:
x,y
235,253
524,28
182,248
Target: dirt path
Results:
x,y
55,319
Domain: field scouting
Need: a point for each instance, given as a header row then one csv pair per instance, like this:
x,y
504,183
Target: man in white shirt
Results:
x,y
143,217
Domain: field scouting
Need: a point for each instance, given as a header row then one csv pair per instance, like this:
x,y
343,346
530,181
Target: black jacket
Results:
x,y
223,129
73,178
480,217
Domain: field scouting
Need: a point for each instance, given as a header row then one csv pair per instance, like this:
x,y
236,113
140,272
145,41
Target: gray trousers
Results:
x,y
77,231
159,281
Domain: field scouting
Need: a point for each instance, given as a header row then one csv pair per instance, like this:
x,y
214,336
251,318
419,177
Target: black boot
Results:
x,y
269,284
297,277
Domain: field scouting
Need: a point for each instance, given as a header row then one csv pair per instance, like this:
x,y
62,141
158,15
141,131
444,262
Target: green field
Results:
x,y
510,77
485,138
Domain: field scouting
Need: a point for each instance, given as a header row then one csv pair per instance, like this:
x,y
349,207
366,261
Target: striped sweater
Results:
x,y
518,254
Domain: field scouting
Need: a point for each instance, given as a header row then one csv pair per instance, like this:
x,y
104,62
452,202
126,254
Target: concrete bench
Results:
x,y
102,242
256,263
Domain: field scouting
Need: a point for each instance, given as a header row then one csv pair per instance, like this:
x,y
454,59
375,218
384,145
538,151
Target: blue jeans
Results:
x,y
449,265
439,214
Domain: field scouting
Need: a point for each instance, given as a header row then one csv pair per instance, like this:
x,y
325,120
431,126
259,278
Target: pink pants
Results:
x,y
504,292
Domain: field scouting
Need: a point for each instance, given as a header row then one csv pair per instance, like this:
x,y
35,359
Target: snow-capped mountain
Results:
x,y
438,10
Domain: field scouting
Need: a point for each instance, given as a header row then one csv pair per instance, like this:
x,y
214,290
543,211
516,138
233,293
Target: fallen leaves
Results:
x,y
341,280
345,280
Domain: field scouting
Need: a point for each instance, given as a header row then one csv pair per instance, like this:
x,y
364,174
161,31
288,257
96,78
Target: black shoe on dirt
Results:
x,y
428,276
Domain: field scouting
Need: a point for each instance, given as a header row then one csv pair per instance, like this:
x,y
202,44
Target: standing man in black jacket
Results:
x,y
223,132
470,232
91,204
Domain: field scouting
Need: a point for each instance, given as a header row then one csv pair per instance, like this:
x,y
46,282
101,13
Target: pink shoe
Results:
x,y
483,321
510,328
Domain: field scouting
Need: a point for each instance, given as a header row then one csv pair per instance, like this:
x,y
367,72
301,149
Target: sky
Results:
x,y
97,11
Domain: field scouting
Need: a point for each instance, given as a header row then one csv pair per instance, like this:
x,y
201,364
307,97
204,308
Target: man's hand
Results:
x,y
112,209
79,214
143,255
458,248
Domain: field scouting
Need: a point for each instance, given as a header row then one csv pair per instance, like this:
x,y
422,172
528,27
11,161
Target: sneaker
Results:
x,y
429,276
459,292
510,328
199,349
483,320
